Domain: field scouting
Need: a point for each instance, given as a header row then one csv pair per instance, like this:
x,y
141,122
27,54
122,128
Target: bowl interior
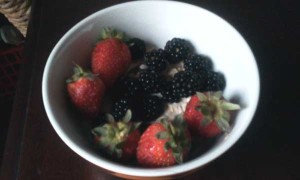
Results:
x,y
156,23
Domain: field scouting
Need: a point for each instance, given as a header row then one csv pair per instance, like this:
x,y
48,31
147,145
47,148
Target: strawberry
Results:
x,y
207,114
164,143
85,91
119,138
111,57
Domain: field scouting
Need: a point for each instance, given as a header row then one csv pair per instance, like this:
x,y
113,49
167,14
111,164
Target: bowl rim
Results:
x,y
136,171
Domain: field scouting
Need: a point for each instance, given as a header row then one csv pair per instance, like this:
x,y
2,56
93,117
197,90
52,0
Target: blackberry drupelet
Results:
x,y
221,81
213,81
200,81
168,93
156,60
126,86
185,84
137,48
153,107
132,86
150,81
197,63
177,50
119,109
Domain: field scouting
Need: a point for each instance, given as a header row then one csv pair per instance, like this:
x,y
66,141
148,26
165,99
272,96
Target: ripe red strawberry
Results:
x,y
164,143
208,114
119,138
85,91
111,57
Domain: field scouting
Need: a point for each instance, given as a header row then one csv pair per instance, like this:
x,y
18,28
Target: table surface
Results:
x,y
268,149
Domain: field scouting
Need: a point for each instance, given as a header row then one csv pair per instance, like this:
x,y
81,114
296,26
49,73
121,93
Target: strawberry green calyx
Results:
x,y
178,137
78,73
215,108
108,33
113,134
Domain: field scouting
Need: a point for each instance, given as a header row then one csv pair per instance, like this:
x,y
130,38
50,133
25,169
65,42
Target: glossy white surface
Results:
x,y
155,22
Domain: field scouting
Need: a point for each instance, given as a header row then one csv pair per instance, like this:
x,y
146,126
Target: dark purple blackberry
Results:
x,y
150,81
185,84
132,86
120,108
156,60
213,81
197,63
137,48
126,86
168,93
177,50
153,107
200,81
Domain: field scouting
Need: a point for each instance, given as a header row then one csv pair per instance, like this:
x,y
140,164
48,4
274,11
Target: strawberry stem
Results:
x,y
214,108
108,33
113,134
78,73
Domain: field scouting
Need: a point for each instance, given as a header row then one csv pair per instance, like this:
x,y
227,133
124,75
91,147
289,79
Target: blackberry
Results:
x,y
177,50
185,84
126,86
213,81
168,93
153,107
200,81
197,63
131,86
150,81
137,48
119,109
156,60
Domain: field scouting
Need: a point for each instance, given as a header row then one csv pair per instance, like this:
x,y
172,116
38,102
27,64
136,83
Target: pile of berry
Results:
x,y
141,83
151,81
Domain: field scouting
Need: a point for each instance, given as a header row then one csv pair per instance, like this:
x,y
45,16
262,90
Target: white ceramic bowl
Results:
x,y
155,22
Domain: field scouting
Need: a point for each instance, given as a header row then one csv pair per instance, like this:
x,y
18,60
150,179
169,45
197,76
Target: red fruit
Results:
x,y
164,143
119,139
111,57
130,145
85,91
208,114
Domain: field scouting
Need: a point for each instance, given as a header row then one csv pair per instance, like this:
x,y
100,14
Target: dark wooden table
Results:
x,y
268,150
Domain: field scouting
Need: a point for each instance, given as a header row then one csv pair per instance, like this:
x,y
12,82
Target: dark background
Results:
x,y
6,94
268,150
